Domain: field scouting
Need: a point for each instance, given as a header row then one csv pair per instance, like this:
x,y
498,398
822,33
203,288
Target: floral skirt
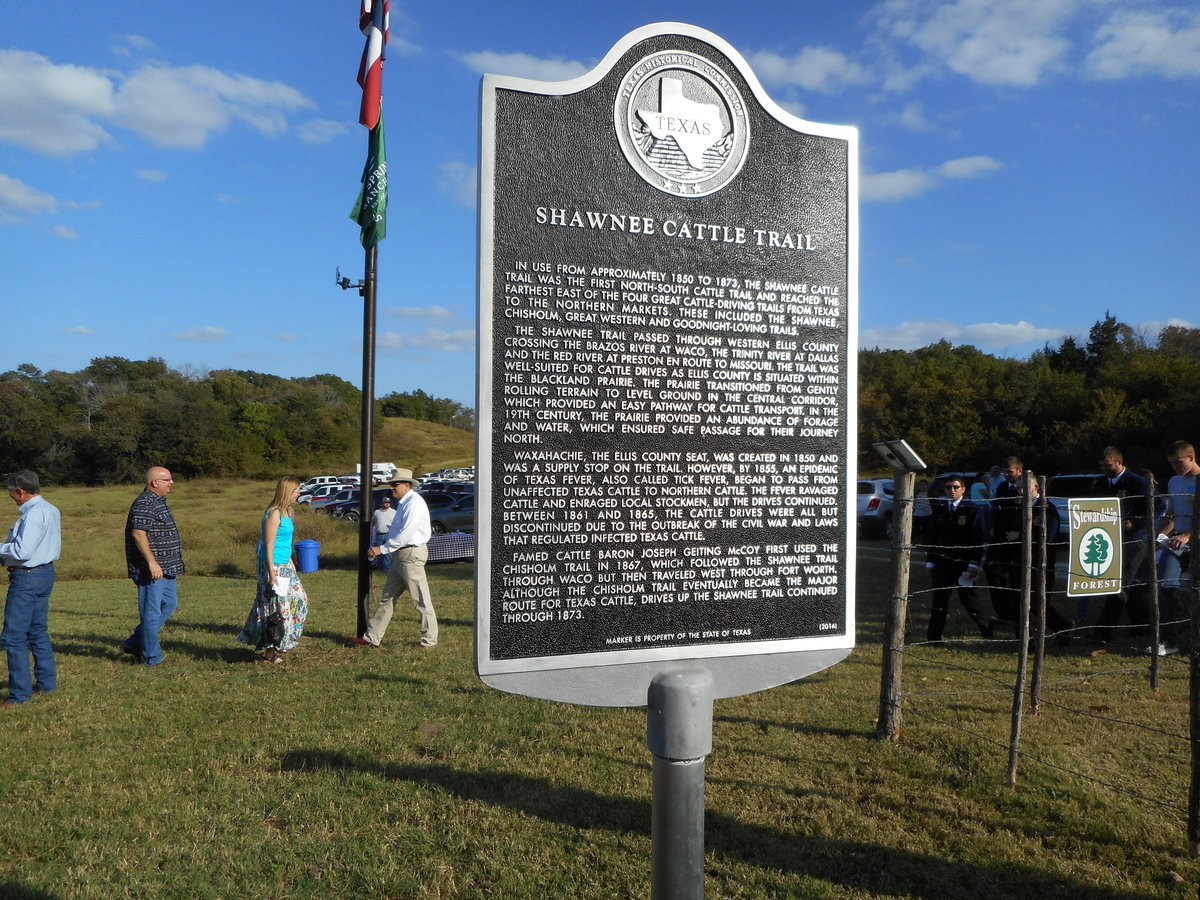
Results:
x,y
293,607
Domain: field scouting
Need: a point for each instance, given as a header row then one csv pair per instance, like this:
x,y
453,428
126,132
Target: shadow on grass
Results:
x,y
852,864
12,890
390,679
796,726
97,646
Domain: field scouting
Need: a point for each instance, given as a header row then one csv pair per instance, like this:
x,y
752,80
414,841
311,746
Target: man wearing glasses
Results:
x,y
154,556
956,545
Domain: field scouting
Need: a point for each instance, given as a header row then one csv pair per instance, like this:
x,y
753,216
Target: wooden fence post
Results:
x,y
1022,626
1152,562
1039,647
896,617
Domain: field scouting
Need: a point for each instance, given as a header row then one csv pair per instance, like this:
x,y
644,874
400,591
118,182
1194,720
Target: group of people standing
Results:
x,y
154,562
967,537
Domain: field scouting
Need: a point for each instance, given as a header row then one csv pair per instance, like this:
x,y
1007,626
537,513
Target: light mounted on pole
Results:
x,y
345,283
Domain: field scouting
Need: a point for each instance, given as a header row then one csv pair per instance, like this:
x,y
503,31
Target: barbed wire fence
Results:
x,y
1028,685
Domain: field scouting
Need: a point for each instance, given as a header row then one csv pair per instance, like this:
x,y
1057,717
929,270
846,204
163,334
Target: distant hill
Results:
x,y
423,446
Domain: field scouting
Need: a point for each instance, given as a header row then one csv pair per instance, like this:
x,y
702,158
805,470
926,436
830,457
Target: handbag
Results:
x,y
273,625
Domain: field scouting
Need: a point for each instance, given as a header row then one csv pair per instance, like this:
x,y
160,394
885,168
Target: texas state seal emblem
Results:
x,y
681,123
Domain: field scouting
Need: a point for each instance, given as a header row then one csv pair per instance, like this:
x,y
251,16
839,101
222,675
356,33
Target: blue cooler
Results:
x,y
306,553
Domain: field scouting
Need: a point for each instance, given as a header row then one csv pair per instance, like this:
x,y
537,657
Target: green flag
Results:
x,y
370,210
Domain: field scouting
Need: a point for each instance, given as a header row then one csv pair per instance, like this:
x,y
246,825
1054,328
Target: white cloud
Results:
x,y
208,333
130,44
320,131
820,69
432,312
460,341
61,110
229,198
152,174
49,108
969,167
904,184
795,107
913,118
990,336
899,185
62,231
17,199
77,329
999,42
1154,326
1147,42
522,65
460,181
183,107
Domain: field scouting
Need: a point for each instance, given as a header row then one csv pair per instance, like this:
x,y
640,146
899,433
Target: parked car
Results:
x,y
316,481
875,506
349,509
1060,489
326,503
459,517
321,493
447,487
440,500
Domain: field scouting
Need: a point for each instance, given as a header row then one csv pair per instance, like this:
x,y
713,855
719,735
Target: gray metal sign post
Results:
x,y
666,455
679,729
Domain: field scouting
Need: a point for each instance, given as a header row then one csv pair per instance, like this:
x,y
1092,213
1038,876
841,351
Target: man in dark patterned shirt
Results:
x,y
154,555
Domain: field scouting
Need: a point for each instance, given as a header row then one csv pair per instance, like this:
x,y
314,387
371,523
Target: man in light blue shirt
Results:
x,y
29,553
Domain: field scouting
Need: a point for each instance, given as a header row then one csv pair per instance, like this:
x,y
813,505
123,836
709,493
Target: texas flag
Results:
x,y
373,20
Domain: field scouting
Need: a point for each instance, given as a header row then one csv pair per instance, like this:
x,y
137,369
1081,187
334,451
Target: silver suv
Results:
x,y
875,506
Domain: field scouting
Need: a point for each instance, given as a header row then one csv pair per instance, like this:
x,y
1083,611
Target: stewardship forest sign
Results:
x,y
1095,558
668,302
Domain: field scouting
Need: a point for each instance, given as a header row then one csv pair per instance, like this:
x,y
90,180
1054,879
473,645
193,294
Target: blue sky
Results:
x,y
175,181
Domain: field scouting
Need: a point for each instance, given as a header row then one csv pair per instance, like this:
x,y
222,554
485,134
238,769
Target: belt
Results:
x,y
12,569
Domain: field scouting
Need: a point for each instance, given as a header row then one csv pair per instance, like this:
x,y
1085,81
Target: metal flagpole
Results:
x,y
366,481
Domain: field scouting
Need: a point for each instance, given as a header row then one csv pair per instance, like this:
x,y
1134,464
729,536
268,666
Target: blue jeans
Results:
x,y
26,618
383,562
1173,579
156,601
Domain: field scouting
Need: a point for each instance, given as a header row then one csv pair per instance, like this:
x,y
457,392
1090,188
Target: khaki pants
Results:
x,y
406,574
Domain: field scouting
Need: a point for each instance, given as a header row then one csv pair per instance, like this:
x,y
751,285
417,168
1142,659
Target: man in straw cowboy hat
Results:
x,y
408,542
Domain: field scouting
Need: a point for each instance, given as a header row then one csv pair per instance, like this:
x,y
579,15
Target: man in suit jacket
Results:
x,y
1004,550
1122,482
956,544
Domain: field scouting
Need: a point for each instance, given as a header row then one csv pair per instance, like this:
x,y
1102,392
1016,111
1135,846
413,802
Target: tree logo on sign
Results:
x,y
1095,552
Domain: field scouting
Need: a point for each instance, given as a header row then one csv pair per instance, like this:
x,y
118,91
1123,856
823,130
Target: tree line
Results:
x,y
966,410
104,423
960,408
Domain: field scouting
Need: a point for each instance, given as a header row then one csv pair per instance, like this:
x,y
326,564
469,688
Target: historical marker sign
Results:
x,y
667,383
1096,547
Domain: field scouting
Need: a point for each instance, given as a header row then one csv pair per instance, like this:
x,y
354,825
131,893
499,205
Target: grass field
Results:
x,y
393,772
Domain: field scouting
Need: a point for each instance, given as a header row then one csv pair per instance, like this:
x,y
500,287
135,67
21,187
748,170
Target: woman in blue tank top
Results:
x,y
279,588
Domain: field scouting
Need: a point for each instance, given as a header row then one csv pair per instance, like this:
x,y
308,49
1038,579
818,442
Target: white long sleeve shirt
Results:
x,y
410,528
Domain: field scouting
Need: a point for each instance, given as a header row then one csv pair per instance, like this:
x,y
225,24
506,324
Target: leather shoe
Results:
x,y
7,703
361,642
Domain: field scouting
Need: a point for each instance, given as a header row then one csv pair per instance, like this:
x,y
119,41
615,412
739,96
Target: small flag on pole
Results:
x,y
370,210
373,20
